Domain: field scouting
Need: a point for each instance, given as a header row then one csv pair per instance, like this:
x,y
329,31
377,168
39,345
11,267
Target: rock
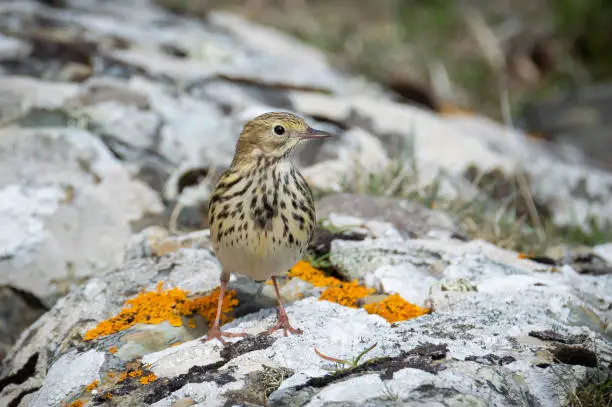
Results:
x,y
156,241
194,132
162,100
66,215
13,49
353,226
18,309
127,123
410,218
356,152
488,333
21,94
413,267
194,270
604,251
444,148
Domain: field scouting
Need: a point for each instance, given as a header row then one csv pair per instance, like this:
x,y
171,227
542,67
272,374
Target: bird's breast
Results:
x,y
262,218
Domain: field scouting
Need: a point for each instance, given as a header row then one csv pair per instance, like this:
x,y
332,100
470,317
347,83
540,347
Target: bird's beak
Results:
x,y
313,133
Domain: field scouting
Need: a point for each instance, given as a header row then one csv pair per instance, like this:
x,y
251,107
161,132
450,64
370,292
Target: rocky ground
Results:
x,y
114,124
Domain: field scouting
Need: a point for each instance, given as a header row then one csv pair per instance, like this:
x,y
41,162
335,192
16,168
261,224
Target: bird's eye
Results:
x,y
279,130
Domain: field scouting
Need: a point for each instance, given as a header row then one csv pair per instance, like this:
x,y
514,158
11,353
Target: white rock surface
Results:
x,y
605,251
68,374
356,153
486,304
68,212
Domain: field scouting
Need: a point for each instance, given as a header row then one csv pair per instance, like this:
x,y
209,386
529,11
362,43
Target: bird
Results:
x,y
261,213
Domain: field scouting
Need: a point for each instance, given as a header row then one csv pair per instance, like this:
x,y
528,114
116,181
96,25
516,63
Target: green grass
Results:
x,y
341,365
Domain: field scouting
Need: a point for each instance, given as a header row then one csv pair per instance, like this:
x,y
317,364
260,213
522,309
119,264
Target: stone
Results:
x,y
444,148
127,123
604,251
278,59
410,218
355,152
488,308
196,270
12,49
21,94
194,132
71,372
162,101
66,215
18,309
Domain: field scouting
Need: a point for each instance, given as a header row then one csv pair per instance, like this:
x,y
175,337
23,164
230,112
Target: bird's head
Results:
x,y
273,136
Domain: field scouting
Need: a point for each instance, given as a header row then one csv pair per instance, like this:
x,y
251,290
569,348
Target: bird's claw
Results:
x,y
284,324
217,333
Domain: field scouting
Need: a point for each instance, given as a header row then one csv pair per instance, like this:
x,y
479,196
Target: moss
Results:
x,y
153,307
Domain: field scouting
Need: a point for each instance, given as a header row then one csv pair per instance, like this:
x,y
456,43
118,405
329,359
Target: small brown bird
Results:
x,y
262,212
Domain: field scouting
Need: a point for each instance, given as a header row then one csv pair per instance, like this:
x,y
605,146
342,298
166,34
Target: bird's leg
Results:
x,y
283,319
215,330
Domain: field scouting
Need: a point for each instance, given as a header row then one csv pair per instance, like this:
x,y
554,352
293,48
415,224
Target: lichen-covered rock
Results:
x,y
161,98
66,214
501,329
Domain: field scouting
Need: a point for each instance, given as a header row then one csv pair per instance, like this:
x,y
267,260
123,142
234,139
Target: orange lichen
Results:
x,y
92,385
191,323
153,307
346,294
113,349
78,403
108,396
148,379
394,308
207,306
135,373
123,377
306,272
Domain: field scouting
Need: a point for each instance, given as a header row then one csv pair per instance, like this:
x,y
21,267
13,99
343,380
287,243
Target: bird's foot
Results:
x,y
217,333
283,323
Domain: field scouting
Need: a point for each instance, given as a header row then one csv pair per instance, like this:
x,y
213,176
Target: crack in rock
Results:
x,y
420,358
